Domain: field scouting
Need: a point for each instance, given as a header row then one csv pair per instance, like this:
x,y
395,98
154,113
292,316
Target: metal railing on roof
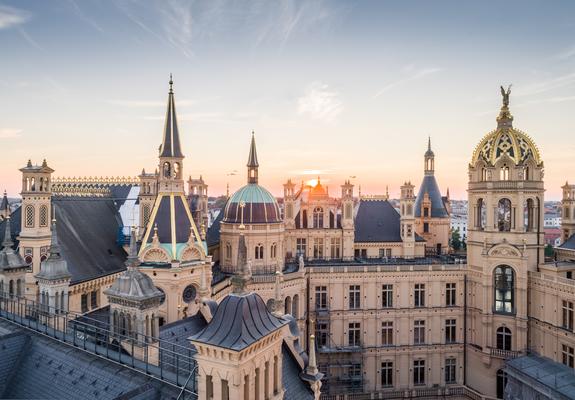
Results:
x,y
162,360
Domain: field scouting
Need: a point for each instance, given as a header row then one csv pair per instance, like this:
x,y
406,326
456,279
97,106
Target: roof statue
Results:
x,y
505,95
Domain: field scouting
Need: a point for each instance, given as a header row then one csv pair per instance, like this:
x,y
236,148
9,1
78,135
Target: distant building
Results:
x,y
459,223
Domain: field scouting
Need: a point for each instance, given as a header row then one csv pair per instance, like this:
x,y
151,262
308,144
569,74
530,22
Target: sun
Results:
x,y
312,182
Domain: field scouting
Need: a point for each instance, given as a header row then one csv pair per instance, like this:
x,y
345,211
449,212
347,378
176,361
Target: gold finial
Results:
x,y
242,206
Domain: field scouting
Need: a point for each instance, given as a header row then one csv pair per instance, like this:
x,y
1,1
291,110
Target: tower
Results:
x,y
289,204
4,207
504,243
134,303
147,197
198,200
407,220
253,162
568,214
36,213
12,266
347,224
54,278
171,157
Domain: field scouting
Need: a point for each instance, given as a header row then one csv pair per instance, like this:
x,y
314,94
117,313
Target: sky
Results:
x,y
340,89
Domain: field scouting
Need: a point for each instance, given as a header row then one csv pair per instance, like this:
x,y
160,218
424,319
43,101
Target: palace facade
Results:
x,y
315,295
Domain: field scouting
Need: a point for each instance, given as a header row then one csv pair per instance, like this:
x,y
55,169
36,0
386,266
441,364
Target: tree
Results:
x,y
456,240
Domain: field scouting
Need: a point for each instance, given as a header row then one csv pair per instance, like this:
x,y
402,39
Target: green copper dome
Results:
x,y
260,206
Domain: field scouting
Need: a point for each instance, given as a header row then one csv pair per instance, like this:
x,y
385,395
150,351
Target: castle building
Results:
x,y
337,296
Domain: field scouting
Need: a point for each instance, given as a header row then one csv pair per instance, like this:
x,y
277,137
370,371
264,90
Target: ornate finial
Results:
x,y
505,119
54,246
242,206
243,275
7,243
203,231
171,84
29,163
155,238
44,163
228,190
311,368
387,191
132,261
429,143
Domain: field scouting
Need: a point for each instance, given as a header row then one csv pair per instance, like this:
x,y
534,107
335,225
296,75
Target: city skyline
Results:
x,y
86,88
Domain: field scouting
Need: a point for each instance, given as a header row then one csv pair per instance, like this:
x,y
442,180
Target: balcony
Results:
x,y
503,354
339,349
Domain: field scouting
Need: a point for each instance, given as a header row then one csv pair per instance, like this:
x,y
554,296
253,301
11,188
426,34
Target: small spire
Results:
x,y
253,162
387,191
311,368
278,301
29,163
132,261
243,274
228,190
7,243
54,245
429,143
44,163
171,84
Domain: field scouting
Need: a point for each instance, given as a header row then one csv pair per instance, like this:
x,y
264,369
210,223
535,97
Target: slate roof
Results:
x,y
294,387
35,367
569,244
429,185
15,226
378,221
213,234
240,320
554,376
163,220
171,140
178,332
87,233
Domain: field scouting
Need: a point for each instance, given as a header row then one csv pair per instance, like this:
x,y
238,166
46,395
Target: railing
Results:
x,y
504,354
440,392
164,361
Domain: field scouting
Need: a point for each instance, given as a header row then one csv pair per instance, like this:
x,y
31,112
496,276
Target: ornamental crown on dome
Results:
x,y
506,140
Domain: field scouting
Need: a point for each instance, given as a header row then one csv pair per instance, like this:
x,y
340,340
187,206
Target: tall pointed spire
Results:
x,y
429,159
54,245
253,162
243,274
7,242
54,268
132,261
171,140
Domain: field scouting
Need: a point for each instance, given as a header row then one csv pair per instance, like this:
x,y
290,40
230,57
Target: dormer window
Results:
x,y
504,173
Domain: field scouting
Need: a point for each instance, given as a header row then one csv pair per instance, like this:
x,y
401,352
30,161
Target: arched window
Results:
x,y
318,217
295,306
62,302
19,287
11,288
228,250
167,170
43,216
528,215
29,216
504,215
274,249
501,383
481,215
503,338
176,170
504,286
259,251
527,172
504,173
287,306
483,174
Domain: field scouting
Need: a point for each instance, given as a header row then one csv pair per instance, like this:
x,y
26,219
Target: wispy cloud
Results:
x,y
321,103
10,17
8,133
177,25
547,85
566,54
414,75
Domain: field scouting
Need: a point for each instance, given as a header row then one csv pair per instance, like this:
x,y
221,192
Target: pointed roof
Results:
x,y
171,140
429,152
253,157
244,274
10,259
54,267
4,205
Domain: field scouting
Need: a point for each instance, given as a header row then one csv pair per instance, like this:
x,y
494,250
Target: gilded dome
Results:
x,y
260,206
506,140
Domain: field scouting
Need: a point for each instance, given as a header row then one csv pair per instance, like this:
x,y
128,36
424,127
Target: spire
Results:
x,y
132,261
311,368
171,141
429,159
278,301
243,274
54,268
7,243
4,205
54,245
253,162
505,119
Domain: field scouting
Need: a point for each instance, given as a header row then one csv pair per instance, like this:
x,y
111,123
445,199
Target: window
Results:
x,y
146,215
301,247
259,251
387,296
287,305
321,297
504,215
273,250
504,289
354,370
29,216
387,333
567,320
318,248
335,247
450,365
503,338
419,332
228,250
84,303
354,333
481,214
419,372
483,174
295,306
43,216
450,331
528,215
450,294
354,296
348,211
318,217
387,374
567,355
94,299
566,213
322,333
289,210
501,383
504,173
426,211
419,300
426,227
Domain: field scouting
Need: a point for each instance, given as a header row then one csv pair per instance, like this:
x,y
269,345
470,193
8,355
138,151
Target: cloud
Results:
x,y
320,103
10,16
547,85
566,54
10,133
417,74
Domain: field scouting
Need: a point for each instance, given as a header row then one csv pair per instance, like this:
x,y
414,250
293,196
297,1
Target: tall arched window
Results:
x,y
287,305
504,173
318,217
483,174
481,214
167,170
177,170
259,252
528,215
504,286
566,212
11,288
228,250
274,250
503,338
43,215
501,383
29,221
527,172
504,215
295,306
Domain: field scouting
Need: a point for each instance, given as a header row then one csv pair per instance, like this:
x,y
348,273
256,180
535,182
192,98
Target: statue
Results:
x,y
505,95
300,262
